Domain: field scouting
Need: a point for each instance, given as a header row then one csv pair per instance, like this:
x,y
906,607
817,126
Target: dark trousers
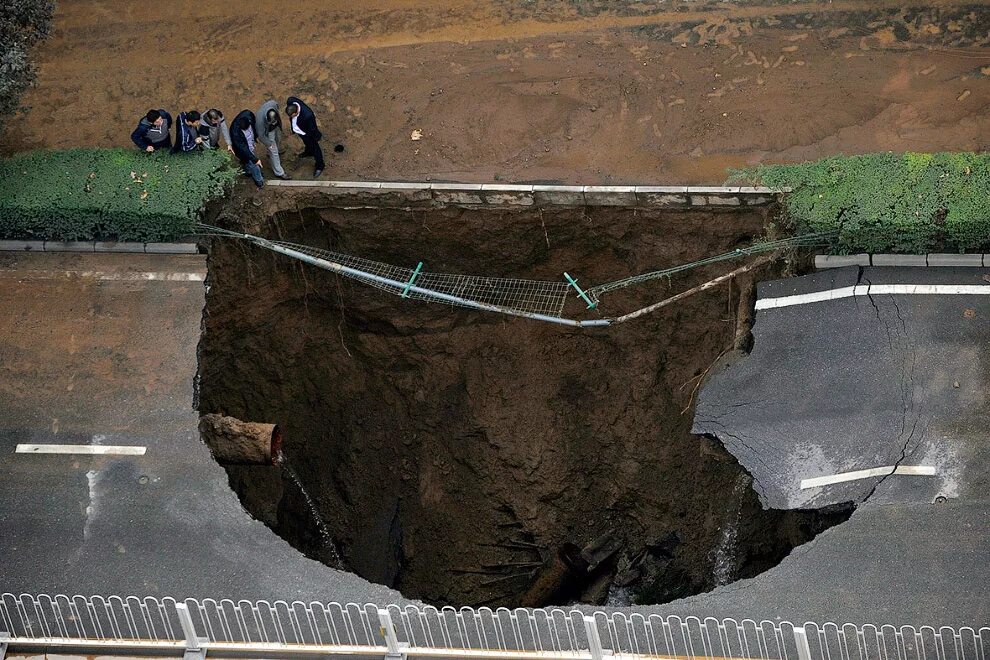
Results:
x,y
164,144
313,149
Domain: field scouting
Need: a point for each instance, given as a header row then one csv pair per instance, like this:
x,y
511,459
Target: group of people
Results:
x,y
195,131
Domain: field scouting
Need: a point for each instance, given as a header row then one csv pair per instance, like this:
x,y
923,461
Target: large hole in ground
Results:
x,y
470,458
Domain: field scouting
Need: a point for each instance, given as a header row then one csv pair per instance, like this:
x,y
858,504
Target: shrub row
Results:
x,y
108,194
908,203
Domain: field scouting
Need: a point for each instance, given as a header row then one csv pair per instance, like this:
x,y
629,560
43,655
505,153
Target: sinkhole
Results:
x,y
471,458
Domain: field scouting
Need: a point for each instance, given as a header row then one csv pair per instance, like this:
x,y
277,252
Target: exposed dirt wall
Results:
x,y
452,454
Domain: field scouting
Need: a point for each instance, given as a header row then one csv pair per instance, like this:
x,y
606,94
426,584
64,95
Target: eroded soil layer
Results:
x,y
471,458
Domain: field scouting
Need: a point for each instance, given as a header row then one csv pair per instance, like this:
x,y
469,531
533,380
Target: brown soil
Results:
x,y
578,91
451,453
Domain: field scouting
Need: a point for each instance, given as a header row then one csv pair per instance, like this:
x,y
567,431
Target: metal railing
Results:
x,y
194,627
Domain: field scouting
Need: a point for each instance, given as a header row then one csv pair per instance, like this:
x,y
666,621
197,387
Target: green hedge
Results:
x,y
108,194
910,203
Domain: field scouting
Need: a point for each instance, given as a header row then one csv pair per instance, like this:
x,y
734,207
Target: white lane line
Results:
x,y
874,290
915,470
81,449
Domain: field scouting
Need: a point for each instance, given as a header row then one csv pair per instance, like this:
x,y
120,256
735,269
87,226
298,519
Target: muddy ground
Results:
x,y
550,90
452,453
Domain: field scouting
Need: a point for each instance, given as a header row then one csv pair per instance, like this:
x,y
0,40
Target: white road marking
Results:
x,y
123,450
915,470
874,290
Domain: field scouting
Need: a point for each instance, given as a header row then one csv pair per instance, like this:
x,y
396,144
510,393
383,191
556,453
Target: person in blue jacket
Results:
x,y
242,139
304,125
187,133
152,132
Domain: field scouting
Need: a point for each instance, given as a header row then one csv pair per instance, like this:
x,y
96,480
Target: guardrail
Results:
x,y
193,627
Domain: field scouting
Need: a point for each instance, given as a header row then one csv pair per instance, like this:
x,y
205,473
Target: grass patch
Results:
x,y
907,203
108,194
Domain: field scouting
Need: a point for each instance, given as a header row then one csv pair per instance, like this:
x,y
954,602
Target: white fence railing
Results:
x,y
196,626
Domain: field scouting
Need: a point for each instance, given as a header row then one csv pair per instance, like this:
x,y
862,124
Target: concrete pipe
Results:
x,y
234,442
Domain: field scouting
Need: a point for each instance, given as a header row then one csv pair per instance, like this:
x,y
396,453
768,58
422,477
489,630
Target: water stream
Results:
x,y
333,555
726,553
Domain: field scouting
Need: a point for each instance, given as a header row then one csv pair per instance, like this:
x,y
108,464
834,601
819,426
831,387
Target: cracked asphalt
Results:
x,y
853,384
859,383
829,386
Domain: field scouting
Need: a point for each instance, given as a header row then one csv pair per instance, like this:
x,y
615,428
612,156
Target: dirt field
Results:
x,y
551,90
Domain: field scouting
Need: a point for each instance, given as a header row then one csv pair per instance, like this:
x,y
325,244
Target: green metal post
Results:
x,y
405,292
581,293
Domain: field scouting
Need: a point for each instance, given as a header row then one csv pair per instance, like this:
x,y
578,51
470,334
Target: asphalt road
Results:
x,y
94,352
91,352
859,383
851,384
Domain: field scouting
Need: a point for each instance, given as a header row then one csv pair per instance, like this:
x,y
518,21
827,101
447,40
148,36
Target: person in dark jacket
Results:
x,y
152,132
187,133
242,139
304,125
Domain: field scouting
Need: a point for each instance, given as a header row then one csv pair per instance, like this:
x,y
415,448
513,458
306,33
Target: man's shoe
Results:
x,y
317,173
284,177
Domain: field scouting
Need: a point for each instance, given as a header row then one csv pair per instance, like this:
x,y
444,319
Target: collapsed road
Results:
x,y
834,396
114,356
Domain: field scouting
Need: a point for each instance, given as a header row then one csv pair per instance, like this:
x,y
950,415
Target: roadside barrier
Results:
x,y
280,628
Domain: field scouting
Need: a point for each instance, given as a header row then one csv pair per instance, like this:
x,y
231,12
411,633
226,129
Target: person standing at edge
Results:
x,y
187,132
152,132
269,131
304,125
242,140
213,127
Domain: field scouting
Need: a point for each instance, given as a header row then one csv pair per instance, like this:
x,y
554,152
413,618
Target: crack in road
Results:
x,y
876,308
907,406
906,384
757,484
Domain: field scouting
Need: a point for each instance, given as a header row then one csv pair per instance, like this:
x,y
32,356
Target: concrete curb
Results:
x,y
823,261
899,260
841,260
98,246
502,194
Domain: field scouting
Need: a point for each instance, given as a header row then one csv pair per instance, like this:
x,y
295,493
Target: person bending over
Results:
x,y
304,125
243,140
152,132
213,128
187,136
269,132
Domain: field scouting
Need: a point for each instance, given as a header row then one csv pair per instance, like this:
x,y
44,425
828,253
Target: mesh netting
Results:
x,y
531,296
510,296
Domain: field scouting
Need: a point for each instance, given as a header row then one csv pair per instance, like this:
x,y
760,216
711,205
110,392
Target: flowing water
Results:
x,y
727,551
321,526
